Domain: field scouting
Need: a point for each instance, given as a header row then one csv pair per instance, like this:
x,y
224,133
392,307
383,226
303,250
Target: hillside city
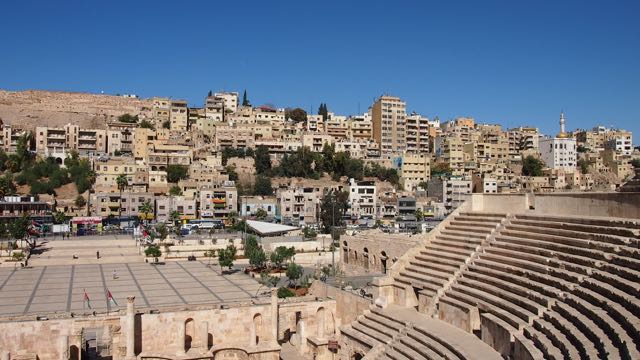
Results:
x,y
164,161
150,229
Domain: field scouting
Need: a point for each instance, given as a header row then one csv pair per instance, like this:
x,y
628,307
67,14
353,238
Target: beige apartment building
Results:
x,y
522,141
179,115
417,133
298,205
162,155
450,150
161,110
388,116
107,173
165,205
219,201
234,136
109,204
57,141
416,168
360,127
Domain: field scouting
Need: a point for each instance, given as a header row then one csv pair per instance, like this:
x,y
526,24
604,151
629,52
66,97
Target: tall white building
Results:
x,y
559,152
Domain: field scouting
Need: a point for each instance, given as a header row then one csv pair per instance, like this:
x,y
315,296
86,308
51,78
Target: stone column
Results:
x,y
203,335
252,333
274,314
6,355
64,347
131,328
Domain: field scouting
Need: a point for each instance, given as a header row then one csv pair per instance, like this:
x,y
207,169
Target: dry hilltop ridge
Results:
x,y
33,108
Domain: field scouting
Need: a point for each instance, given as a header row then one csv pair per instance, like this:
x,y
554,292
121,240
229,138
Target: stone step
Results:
x,y
444,255
418,284
377,330
445,248
557,338
508,317
585,347
459,246
415,266
604,240
462,233
365,330
393,354
543,343
497,301
517,285
607,276
476,230
428,281
484,214
626,226
590,329
489,226
421,349
504,294
437,263
622,341
533,248
359,336
383,321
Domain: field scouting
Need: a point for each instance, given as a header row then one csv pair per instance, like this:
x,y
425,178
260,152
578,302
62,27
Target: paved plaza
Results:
x,y
60,288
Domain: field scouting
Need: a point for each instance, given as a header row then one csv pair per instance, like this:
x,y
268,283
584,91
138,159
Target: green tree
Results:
x,y
245,100
257,258
283,293
7,187
267,280
122,182
80,201
146,208
262,160
146,125
583,165
419,215
59,217
294,272
231,171
175,190
176,173
210,93
161,231
332,209
166,124
322,110
440,169
19,230
263,186
174,217
226,257
153,251
423,185
301,163
635,163
210,254
261,214
128,118
532,166
297,114
281,254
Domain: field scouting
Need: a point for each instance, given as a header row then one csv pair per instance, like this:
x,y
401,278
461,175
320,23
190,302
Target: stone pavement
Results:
x,y
60,288
113,249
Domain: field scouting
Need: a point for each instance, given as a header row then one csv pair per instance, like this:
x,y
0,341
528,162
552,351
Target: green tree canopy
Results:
x,y
263,186
262,160
332,209
532,166
245,100
128,118
261,214
153,251
297,114
294,272
226,257
147,125
176,173
175,190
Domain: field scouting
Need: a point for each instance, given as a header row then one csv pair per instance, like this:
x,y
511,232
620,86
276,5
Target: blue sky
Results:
x,y
508,62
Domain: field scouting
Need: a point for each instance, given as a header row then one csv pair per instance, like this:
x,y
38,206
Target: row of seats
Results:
x,y
447,252
569,286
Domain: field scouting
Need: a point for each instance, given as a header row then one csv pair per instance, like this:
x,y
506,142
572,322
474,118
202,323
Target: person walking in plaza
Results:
x,y
98,255
115,274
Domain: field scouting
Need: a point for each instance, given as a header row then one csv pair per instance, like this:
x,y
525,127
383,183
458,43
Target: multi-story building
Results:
x,y
388,116
361,127
229,99
417,133
559,152
450,150
179,115
219,201
621,143
522,141
107,173
165,205
298,205
362,198
161,109
241,136
56,142
112,205
250,205
415,169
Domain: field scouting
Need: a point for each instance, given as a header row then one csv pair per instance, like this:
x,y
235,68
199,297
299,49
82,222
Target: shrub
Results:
x,y
284,292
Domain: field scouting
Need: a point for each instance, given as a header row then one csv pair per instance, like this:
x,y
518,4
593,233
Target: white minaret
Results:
x,y
562,132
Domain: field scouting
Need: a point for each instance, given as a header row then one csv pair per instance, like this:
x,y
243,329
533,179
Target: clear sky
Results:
x,y
508,62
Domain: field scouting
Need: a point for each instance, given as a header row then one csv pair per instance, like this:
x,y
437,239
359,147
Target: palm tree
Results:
x,y
146,208
174,217
122,183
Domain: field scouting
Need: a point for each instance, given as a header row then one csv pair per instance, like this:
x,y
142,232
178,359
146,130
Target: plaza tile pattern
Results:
x,y
60,288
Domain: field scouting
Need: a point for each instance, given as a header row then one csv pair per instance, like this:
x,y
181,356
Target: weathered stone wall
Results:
x,y
348,305
374,250
236,333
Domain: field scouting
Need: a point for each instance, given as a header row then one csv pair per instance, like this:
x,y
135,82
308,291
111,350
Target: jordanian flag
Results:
x,y
110,297
86,298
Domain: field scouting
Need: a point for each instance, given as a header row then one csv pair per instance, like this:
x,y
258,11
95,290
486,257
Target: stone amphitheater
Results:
x,y
522,276
519,277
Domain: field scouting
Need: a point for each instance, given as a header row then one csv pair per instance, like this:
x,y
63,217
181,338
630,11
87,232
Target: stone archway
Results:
x,y
365,259
256,329
189,332
320,322
231,354
383,262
